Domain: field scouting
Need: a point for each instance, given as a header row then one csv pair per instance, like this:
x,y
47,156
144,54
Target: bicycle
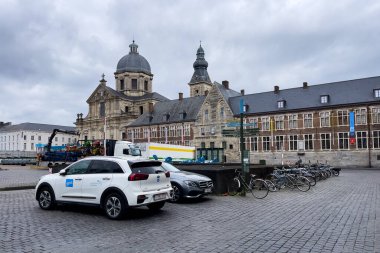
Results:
x,y
283,178
256,186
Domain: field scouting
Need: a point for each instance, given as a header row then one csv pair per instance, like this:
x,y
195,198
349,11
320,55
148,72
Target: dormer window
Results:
x,y
182,115
166,117
376,93
324,99
281,104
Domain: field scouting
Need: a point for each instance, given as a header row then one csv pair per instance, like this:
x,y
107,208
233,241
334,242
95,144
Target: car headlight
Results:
x,y
190,183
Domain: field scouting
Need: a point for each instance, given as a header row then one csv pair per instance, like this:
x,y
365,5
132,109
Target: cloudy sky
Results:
x,y
53,53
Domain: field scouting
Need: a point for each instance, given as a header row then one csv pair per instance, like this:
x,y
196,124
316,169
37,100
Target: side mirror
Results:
x,y
62,172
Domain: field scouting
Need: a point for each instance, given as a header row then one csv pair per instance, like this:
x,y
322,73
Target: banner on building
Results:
x,y
352,124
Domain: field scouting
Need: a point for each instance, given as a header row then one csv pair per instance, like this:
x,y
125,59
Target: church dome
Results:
x,y
133,62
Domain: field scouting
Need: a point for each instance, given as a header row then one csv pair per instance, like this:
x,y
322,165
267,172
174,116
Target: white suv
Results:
x,y
113,183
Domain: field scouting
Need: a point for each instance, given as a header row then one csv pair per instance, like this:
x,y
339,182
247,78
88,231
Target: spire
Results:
x,y
200,67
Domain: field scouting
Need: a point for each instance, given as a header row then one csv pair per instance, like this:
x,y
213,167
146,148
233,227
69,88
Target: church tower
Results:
x,y
200,82
133,76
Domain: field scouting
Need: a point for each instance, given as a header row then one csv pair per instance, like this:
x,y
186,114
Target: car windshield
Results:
x,y
169,167
135,151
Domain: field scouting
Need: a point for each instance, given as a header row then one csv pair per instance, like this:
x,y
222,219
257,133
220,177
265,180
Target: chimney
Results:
x,y
206,92
242,92
225,84
276,89
304,85
180,96
150,107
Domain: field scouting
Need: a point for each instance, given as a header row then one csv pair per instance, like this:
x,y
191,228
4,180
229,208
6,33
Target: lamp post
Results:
x,y
243,110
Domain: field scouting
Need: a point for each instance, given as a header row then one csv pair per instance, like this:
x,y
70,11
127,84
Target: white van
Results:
x,y
126,148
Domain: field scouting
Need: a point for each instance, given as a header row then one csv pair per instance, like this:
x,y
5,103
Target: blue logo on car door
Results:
x,y
158,179
69,182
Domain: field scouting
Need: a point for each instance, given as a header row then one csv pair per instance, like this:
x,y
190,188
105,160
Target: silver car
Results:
x,y
187,184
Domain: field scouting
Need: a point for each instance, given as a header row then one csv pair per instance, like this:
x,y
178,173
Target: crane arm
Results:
x,y
55,131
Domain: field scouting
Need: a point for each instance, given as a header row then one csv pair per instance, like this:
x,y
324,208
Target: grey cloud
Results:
x,y
62,48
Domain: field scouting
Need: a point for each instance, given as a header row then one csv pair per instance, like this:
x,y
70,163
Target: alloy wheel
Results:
x,y
176,193
45,199
113,207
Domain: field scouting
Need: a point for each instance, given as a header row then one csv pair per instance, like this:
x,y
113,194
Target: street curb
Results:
x,y
16,188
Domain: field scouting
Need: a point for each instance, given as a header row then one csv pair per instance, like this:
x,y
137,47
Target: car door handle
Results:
x,y
106,178
78,179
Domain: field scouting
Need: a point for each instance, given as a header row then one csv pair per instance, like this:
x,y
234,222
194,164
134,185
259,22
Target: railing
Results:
x,y
14,153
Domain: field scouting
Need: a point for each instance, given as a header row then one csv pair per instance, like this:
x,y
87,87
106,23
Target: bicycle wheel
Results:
x,y
290,181
258,188
271,186
303,184
323,175
234,187
312,179
276,182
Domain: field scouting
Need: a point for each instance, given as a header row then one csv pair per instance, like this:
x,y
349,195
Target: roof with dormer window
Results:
x,y
174,108
358,91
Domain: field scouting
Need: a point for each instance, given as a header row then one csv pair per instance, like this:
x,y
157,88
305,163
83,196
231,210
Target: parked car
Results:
x,y
113,183
187,184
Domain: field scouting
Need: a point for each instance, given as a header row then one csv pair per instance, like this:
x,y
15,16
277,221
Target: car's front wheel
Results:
x,y
115,206
46,198
156,206
177,193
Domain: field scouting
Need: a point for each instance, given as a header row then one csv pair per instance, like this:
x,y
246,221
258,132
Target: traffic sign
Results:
x,y
236,132
230,133
237,124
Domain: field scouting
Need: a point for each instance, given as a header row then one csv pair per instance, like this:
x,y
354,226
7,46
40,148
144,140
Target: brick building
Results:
x,y
313,123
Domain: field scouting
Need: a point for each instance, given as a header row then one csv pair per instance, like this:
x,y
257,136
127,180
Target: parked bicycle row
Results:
x,y
300,176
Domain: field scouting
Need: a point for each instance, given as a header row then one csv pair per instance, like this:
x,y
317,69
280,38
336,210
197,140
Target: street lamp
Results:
x,y
243,110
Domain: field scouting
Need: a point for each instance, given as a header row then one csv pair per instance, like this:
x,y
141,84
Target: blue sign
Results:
x,y
69,182
237,124
242,106
352,123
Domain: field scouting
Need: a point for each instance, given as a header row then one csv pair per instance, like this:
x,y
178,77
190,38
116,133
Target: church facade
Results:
x,y
112,109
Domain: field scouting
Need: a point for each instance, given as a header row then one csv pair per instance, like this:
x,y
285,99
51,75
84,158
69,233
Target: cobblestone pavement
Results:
x,y
13,176
340,214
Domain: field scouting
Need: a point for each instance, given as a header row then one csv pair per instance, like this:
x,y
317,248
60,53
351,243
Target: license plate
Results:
x,y
208,190
160,196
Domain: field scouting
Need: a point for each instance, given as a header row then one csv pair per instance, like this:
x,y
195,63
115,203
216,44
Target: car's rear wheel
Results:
x,y
156,206
177,193
46,198
115,206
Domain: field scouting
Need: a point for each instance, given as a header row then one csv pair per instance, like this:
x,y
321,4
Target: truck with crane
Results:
x,y
58,159
50,157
